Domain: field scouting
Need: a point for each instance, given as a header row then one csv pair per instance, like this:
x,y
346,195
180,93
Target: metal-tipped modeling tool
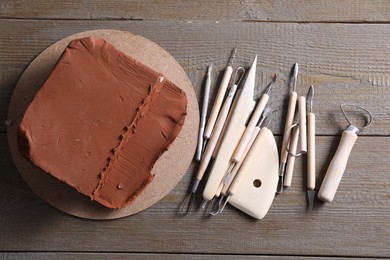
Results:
x,y
311,150
208,152
203,114
289,120
339,162
218,99
295,133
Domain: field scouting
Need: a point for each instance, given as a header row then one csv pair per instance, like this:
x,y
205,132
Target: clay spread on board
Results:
x,y
100,122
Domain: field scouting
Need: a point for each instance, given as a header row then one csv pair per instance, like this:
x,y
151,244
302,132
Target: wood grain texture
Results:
x,y
355,224
346,63
232,10
135,256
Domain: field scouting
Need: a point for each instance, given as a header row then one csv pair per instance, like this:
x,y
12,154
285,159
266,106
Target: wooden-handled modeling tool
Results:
x,y
203,114
289,120
187,203
228,181
232,134
339,162
296,133
218,99
254,120
238,153
311,150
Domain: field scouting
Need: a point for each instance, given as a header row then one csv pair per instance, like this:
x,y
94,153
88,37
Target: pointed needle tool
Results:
x,y
289,120
311,183
219,98
206,95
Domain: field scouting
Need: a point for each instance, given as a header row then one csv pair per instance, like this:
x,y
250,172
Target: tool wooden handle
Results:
x,y
216,134
251,126
218,193
291,159
236,168
250,159
337,166
302,124
218,101
233,103
289,120
311,151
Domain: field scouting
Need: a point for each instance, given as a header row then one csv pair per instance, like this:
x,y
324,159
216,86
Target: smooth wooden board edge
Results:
x,y
168,170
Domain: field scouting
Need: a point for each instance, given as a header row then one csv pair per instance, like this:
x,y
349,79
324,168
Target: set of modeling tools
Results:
x,y
239,151
300,129
230,145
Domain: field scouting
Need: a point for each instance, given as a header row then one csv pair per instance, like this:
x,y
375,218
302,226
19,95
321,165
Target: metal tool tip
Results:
x,y
233,55
310,197
270,85
210,67
267,111
310,96
274,78
296,69
295,76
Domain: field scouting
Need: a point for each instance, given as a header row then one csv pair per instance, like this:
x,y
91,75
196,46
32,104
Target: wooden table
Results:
x,y
343,48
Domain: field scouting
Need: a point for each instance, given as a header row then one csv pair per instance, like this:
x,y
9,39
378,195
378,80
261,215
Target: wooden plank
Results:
x,y
346,63
232,10
355,224
113,256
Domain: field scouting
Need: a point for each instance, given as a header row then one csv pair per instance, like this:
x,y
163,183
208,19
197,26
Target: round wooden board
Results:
x,y
168,169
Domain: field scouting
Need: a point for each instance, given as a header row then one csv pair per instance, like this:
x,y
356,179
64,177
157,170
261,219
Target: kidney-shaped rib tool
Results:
x,y
255,191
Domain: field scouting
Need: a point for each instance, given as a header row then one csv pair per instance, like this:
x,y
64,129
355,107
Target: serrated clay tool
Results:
x,y
289,120
203,114
219,99
339,162
253,189
188,202
232,135
311,150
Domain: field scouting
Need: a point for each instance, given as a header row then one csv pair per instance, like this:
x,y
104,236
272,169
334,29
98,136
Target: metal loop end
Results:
x,y
370,118
288,132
